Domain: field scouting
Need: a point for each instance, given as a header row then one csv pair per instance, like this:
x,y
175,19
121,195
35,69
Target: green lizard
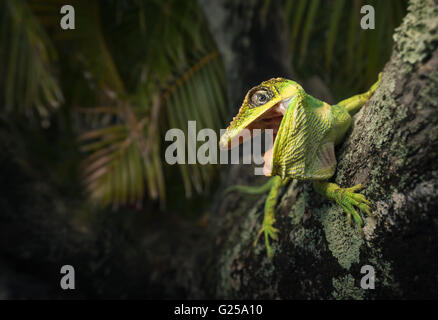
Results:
x,y
305,131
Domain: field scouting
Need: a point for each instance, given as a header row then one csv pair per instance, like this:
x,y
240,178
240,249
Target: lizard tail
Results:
x,y
250,189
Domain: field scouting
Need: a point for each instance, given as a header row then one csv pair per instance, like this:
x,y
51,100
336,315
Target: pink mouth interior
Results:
x,y
271,119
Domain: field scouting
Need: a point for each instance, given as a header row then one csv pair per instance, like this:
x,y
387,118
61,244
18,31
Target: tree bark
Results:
x,y
392,149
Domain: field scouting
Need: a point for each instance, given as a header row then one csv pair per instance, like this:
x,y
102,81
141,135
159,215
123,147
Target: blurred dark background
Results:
x,y
83,114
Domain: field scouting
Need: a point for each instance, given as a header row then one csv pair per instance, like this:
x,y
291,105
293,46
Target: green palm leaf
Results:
x,y
172,72
323,26
26,58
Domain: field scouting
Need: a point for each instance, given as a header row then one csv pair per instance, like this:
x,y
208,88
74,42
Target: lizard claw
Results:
x,y
270,232
348,199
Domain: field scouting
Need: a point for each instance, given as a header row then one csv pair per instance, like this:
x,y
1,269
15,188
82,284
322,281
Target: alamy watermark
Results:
x,y
68,18
368,20
192,152
369,279
68,280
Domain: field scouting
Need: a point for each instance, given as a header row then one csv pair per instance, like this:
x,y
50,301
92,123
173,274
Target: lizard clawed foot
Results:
x,y
270,232
348,199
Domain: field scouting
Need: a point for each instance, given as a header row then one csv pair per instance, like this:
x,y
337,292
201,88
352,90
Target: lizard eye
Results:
x,y
260,98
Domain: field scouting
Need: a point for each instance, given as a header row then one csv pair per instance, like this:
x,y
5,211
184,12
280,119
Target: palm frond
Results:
x,y
310,18
195,95
26,56
333,30
169,87
337,37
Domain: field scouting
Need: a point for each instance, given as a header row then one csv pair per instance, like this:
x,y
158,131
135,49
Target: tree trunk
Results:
x,y
392,149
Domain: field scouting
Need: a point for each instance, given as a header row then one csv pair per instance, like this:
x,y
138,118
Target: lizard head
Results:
x,y
263,108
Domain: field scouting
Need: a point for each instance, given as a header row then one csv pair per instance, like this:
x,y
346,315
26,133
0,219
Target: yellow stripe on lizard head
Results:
x,y
257,101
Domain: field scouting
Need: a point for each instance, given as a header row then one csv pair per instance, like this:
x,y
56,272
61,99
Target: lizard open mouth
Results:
x,y
270,119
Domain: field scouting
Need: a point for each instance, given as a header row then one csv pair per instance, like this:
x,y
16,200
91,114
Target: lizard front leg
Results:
x,y
273,185
347,198
269,218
